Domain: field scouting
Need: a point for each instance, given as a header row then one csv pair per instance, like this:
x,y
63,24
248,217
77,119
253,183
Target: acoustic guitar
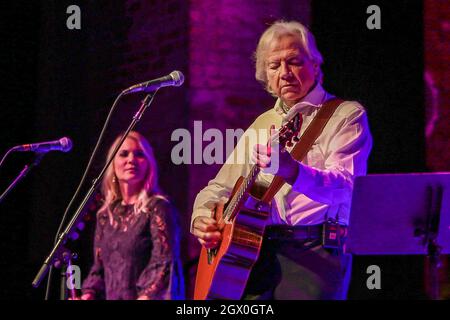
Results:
x,y
223,272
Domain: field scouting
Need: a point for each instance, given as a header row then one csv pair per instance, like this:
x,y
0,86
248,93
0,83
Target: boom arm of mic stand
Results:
x,y
55,254
22,175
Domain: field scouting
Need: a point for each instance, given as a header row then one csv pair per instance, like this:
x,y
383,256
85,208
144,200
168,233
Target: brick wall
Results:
x,y
148,39
437,99
211,42
437,83
223,92
127,42
80,73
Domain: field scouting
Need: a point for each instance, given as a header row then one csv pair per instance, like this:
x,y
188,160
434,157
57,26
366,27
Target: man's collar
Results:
x,y
314,98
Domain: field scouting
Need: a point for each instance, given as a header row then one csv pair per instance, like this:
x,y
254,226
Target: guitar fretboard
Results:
x,y
241,195
284,136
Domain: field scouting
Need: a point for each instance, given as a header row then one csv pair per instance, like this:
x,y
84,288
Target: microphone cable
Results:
x,y
99,140
6,154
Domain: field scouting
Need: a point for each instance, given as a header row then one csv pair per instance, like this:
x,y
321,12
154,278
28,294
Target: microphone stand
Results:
x,y
22,175
59,252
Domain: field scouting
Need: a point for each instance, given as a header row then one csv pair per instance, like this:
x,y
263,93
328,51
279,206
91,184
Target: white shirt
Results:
x,y
324,184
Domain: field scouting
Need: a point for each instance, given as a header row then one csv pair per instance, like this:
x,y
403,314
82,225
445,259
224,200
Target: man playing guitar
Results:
x,y
299,258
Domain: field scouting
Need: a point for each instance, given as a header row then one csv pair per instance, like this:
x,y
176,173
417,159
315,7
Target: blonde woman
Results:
x,y
136,245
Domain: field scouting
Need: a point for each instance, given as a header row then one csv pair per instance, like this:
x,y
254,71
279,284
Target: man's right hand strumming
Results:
x,y
207,232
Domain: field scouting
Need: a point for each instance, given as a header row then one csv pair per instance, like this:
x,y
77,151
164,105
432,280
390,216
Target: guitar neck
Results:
x,y
287,132
241,194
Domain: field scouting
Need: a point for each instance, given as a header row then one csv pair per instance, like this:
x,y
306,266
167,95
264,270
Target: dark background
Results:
x,y
57,83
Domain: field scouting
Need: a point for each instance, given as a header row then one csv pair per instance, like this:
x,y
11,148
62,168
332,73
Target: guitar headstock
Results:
x,y
288,133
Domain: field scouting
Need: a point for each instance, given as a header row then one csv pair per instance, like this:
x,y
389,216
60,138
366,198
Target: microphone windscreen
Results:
x,y
177,77
66,144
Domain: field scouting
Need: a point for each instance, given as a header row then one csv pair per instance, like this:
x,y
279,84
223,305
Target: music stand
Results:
x,y
400,214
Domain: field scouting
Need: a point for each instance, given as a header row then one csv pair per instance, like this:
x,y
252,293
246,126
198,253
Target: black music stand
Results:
x,y
400,214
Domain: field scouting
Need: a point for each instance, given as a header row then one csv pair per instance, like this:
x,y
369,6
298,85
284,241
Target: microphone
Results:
x,y
64,144
174,79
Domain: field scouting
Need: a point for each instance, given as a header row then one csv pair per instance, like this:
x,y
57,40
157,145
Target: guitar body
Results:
x,y
225,277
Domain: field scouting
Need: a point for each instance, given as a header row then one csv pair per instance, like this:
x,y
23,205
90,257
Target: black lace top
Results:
x,y
137,255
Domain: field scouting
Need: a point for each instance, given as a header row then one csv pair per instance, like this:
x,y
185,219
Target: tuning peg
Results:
x,y
296,139
289,144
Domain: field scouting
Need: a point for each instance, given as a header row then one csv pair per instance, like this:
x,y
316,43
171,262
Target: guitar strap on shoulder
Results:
x,y
307,139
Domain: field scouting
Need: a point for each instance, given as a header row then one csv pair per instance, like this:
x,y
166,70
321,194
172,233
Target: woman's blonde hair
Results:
x,y
276,31
110,185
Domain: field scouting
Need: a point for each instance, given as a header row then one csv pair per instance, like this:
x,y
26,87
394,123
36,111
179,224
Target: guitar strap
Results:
x,y
307,139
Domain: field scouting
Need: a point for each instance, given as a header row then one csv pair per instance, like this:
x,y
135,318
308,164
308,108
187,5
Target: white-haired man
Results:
x,y
317,189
